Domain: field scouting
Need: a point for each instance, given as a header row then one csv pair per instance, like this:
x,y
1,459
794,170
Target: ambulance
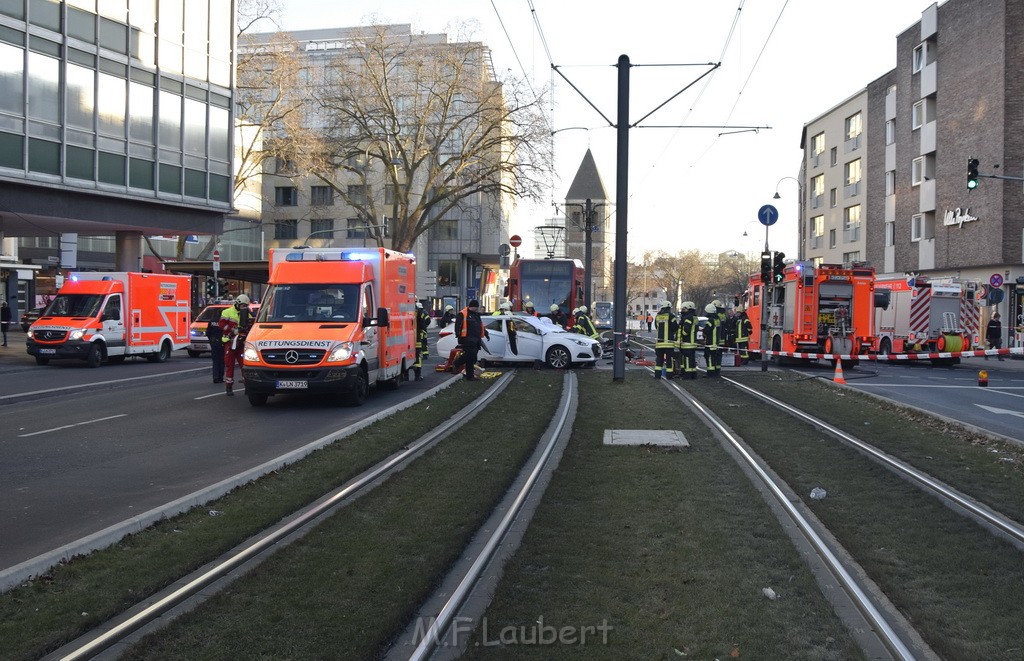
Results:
x,y
335,321
110,316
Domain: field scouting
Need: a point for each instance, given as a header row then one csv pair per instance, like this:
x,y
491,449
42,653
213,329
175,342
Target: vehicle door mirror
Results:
x,y
383,319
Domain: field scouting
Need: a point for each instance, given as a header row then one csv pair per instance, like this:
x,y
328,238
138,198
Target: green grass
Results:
x,y
348,588
670,548
960,586
78,595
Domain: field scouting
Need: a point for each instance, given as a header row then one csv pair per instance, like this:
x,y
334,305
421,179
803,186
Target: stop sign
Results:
x,y
515,240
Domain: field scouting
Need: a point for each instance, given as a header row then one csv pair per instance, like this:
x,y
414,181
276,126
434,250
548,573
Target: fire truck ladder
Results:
x,y
950,324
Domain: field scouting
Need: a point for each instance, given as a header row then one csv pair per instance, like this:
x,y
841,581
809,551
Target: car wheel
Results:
x,y
257,398
95,356
162,355
395,383
360,389
558,357
886,347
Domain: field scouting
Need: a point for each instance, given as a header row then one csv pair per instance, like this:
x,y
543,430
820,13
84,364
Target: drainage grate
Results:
x,y
645,437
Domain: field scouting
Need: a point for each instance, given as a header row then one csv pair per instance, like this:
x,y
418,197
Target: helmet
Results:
x,y
554,306
529,304
583,308
506,306
689,305
710,308
419,305
718,303
665,304
448,308
740,308
241,299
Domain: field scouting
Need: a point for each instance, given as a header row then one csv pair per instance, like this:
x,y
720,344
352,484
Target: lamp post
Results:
x,y
799,211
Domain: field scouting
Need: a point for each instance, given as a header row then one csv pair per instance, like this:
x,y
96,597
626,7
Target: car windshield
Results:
x,y
75,305
310,302
210,313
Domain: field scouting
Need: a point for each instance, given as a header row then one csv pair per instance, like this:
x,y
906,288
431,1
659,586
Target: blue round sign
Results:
x,y
767,215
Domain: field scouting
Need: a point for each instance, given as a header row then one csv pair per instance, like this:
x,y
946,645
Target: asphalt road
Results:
x,y
82,449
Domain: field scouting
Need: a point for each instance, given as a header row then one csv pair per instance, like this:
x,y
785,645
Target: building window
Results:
x,y
917,118
851,224
833,198
446,229
358,194
850,257
917,171
916,227
834,156
890,182
389,193
448,273
286,196
890,131
286,229
818,226
356,228
852,172
818,144
321,196
890,233
817,191
284,166
853,126
325,227
831,238
921,57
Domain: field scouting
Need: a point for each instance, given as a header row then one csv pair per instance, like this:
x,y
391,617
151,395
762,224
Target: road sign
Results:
x,y
515,240
996,280
767,215
216,260
504,250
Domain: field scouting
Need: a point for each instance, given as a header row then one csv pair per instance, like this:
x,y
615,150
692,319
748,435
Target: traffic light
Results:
x,y
210,288
972,173
384,228
766,267
778,266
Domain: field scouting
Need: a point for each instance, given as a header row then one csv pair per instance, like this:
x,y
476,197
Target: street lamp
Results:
x,y
799,208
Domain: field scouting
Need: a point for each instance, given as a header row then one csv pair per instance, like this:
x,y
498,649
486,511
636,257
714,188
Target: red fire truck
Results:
x,y
826,309
926,314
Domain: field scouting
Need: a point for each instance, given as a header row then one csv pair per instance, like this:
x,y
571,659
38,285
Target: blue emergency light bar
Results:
x,y
345,256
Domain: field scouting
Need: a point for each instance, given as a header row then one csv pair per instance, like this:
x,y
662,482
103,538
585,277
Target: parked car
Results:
x,y
701,323
536,339
29,316
198,342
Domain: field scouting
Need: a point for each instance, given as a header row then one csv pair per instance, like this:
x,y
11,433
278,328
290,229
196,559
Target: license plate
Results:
x,y
285,385
48,351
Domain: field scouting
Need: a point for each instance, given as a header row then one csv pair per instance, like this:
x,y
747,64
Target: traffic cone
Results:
x,y
838,377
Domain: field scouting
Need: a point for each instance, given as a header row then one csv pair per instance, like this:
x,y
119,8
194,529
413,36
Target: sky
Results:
x,y
783,63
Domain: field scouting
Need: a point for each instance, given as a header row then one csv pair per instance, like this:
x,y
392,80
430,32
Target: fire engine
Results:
x,y
825,309
923,314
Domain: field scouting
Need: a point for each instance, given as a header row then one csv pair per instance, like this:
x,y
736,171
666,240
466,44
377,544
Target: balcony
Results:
x,y
851,144
851,234
849,190
817,201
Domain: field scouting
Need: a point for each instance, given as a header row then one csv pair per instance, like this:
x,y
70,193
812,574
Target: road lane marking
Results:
x,y
101,383
77,424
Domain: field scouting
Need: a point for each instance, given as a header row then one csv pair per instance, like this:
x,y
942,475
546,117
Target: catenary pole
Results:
x,y
621,208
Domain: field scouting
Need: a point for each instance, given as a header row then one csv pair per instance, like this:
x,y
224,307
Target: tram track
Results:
x,y
116,636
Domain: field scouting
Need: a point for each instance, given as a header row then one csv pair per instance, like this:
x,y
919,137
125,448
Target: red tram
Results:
x,y
546,282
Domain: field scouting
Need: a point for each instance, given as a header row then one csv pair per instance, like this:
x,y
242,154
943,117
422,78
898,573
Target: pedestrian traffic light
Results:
x,y
778,266
766,267
972,173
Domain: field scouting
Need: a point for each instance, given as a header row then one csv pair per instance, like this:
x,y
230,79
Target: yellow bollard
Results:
x,y
983,379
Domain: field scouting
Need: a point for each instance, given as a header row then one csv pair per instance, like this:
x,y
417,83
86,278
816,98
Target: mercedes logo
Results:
x,y
291,356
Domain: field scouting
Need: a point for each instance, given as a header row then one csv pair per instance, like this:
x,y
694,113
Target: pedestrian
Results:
x,y
994,334
687,340
650,320
422,349
712,337
216,337
448,316
470,333
743,331
5,319
235,322
665,342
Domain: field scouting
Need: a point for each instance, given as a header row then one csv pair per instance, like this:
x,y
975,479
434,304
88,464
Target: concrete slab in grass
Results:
x,y
645,437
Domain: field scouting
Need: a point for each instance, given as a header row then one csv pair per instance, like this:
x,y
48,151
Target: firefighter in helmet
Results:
x,y
686,340
422,349
584,325
530,310
448,316
556,316
743,330
505,310
667,328
712,346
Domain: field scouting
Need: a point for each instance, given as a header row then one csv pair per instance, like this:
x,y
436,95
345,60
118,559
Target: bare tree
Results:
x,y
418,130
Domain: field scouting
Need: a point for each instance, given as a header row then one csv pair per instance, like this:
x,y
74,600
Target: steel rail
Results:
x,y
444,617
165,603
1011,528
887,633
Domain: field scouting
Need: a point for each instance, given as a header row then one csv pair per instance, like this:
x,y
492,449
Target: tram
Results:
x,y
546,282
603,315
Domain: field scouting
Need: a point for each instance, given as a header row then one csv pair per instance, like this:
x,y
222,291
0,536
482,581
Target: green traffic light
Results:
x,y
972,183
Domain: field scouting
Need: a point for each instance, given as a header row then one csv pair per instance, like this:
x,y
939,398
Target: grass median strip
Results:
x,y
654,553
351,585
76,596
959,585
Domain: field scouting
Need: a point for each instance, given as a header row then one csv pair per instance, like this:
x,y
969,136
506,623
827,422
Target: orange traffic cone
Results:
x,y
838,377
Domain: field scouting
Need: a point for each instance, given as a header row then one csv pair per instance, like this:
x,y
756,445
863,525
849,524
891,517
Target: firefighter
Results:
x,y
556,316
665,343
505,310
712,346
686,340
235,322
448,316
470,331
422,349
743,330
530,310
584,324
